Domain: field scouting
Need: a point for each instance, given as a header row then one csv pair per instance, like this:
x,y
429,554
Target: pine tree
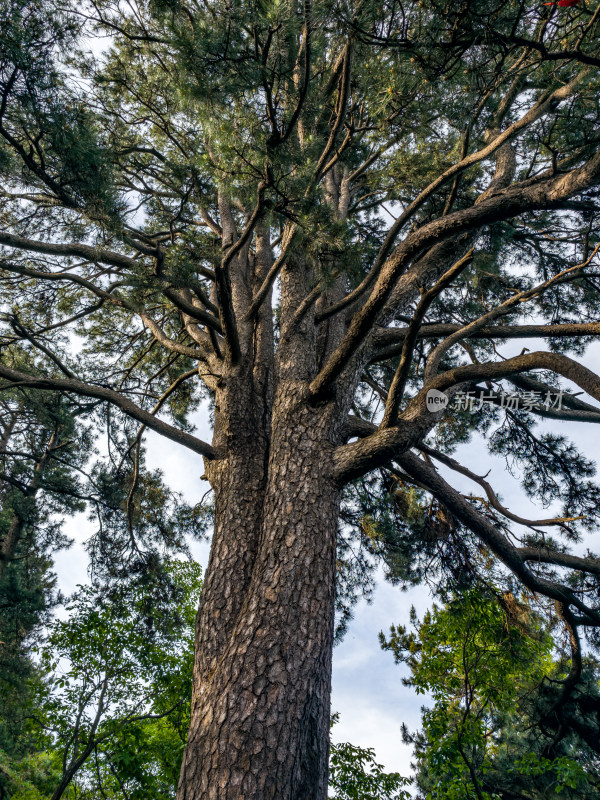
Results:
x,y
198,208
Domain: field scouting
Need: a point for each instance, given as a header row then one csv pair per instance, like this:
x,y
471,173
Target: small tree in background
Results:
x,y
510,717
111,710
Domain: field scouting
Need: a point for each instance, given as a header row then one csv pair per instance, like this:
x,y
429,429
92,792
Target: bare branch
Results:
x,y
556,362
192,311
544,555
491,495
491,536
391,340
288,236
357,458
342,101
26,381
504,308
20,330
545,104
223,285
399,381
88,252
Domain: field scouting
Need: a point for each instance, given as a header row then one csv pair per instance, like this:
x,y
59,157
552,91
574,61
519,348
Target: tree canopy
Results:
x,y
110,696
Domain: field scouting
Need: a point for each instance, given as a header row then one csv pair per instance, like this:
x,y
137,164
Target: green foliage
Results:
x,y
354,774
555,468
488,664
106,709
129,152
119,685
41,446
33,777
25,595
69,143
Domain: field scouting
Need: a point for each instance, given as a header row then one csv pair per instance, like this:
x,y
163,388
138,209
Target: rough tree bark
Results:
x,y
262,681
261,707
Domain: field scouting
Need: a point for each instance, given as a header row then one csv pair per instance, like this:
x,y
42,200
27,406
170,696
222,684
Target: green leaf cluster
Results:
x,y
489,668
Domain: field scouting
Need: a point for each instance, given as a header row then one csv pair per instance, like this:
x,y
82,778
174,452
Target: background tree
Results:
x,y
45,452
38,451
121,666
111,709
200,210
507,720
355,775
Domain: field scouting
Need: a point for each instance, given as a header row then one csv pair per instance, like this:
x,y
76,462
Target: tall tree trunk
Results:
x,y
260,717
238,481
